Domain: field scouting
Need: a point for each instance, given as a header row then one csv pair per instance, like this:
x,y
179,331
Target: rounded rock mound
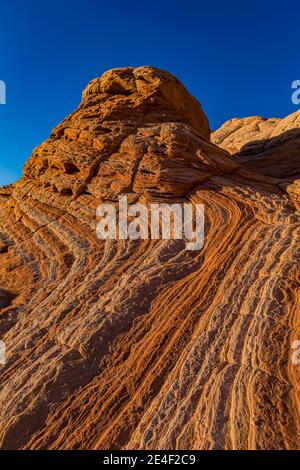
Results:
x,y
146,82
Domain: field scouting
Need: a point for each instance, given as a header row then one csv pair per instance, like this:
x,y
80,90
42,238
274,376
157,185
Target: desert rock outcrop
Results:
x,y
269,146
143,344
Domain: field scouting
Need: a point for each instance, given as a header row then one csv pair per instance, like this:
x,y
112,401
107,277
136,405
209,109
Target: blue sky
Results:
x,y
237,58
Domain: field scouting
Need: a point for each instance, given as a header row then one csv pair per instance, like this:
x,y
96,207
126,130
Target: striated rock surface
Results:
x,y
269,146
143,344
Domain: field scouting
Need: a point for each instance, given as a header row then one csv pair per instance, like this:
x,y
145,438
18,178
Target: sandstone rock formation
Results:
x,y
143,344
270,146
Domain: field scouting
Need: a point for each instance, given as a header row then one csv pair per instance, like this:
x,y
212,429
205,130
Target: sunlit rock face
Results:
x,y
269,146
142,344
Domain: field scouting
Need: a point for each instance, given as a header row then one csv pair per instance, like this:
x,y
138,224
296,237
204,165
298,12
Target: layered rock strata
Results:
x,y
141,344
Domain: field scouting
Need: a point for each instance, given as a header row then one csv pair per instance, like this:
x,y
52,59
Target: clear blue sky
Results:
x,y
237,58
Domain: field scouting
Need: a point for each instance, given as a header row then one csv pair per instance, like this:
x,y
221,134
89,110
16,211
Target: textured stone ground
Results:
x,y
143,344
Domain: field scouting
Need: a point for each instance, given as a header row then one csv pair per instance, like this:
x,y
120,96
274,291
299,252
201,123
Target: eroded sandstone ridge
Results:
x,y
143,344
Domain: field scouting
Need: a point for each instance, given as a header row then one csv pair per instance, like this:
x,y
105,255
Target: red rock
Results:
x,y
143,344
